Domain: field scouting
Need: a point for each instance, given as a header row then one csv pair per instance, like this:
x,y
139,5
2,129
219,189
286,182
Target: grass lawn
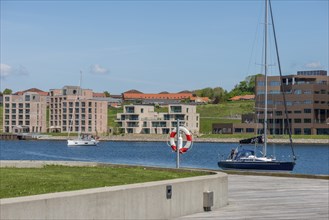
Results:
x,y
16,182
222,113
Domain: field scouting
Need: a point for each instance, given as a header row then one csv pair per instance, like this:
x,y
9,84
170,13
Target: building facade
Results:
x,y
162,98
142,119
307,100
25,112
73,109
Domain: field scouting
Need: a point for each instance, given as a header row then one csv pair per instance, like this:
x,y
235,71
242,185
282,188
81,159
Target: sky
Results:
x,y
154,46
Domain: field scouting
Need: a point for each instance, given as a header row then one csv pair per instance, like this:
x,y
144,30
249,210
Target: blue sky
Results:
x,y
153,46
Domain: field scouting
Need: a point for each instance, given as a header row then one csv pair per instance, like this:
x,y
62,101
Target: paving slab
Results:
x,y
265,197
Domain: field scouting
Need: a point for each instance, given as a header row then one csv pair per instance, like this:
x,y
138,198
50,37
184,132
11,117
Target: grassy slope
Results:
x,y
31,181
222,113
112,116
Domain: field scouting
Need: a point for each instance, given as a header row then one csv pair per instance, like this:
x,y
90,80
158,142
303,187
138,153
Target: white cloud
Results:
x,y
97,69
313,65
7,70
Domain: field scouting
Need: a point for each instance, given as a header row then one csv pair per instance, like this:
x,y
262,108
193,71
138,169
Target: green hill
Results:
x,y
229,112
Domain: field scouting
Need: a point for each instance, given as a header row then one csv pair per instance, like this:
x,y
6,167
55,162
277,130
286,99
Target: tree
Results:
x,y
245,87
7,91
107,94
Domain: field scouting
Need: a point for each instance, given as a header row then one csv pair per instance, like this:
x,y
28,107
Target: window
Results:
x,y
274,83
307,120
260,92
27,98
297,131
250,130
238,130
307,110
298,91
307,131
260,83
298,120
274,92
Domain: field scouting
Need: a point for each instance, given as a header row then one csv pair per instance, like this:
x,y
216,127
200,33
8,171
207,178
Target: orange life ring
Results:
x,y
188,136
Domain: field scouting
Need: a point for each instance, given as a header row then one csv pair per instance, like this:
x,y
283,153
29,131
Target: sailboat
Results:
x,y
82,139
246,159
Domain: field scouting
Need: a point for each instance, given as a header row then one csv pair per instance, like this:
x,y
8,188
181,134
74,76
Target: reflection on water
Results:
x,y
311,159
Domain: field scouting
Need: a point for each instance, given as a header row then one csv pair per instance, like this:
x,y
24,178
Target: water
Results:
x,y
311,158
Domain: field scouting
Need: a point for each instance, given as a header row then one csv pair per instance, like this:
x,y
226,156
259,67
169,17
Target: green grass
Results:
x,y
222,113
112,116
31,181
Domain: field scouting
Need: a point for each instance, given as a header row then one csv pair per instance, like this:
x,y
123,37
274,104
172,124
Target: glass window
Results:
x,y
298,120
298,91
260,92
250,130
298,131
260,83
274,83
307,120
27,98
307,110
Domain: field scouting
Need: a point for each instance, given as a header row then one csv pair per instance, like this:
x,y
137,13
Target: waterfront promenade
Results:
x,y
265,197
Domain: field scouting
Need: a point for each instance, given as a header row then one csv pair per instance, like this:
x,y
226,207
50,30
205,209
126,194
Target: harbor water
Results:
x,y
311,158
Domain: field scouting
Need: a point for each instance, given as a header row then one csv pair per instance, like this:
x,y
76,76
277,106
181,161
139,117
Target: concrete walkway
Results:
x,y
263,197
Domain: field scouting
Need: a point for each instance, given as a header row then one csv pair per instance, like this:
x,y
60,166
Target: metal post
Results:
x,y
177,145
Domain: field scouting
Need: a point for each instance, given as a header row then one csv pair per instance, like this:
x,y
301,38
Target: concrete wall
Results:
x,y
134,201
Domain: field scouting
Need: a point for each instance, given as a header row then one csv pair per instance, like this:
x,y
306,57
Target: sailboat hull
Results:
x,y
257,165
82,142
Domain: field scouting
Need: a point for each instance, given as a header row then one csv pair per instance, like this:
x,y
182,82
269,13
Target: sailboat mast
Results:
x,y
265,72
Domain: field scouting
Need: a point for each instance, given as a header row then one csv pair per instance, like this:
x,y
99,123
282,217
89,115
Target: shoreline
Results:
x,y
164,138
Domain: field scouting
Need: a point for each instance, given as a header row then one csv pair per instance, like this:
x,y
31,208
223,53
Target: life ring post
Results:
x,y
176,143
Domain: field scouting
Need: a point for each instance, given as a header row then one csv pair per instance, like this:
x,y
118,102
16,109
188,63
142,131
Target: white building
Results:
x,y
142,119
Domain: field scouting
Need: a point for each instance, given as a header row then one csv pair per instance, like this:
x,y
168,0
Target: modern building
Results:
x,y
248,125
25,112
142,119
307,100
73,109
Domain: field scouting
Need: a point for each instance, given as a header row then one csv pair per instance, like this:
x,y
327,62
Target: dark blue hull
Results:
x,y
257,165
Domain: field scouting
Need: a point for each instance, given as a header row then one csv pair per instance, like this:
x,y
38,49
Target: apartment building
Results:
x,y
307,99
162,98
73,109
25,112
142,119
